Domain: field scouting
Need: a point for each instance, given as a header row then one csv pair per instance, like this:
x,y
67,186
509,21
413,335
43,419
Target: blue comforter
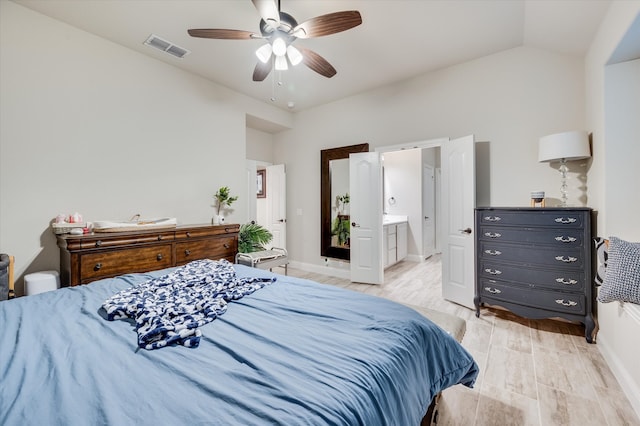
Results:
x,y
294,353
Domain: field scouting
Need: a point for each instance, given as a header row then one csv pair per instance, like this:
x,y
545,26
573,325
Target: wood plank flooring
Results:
x,y
532,372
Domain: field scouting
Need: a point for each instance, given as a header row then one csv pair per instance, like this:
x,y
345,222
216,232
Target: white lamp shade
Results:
x,y
279,47
281,63
294,55
264,53
569,146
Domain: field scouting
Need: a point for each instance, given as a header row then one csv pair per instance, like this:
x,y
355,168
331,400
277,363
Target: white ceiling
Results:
x,y
398,39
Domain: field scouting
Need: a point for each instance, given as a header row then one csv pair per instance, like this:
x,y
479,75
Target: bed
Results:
x,y
294,352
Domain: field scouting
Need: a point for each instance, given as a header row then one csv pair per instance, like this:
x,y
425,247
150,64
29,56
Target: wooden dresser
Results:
x,y
86,258
536,262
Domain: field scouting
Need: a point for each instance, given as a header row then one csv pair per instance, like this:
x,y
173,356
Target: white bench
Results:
x,y
265,259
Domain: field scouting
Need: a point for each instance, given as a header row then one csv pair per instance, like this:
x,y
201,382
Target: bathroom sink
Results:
x,y
389,219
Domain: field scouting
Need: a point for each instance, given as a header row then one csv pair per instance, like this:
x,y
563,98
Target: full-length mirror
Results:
x,y
334,200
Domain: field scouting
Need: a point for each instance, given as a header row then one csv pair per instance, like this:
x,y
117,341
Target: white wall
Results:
x,y
510,99
403,182
259,146
93,127
613,108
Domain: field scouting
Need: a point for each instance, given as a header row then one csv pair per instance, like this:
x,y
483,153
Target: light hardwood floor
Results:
x,y
532,372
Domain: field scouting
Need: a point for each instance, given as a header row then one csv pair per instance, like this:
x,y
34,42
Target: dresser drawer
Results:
x,y
107,240
569,237
218,248
108,264
552,218
207,231
569,258
573,303
554,279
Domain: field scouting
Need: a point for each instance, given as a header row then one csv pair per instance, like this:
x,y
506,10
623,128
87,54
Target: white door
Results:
x,y
277,204
251,169
428,211
458,203
365,187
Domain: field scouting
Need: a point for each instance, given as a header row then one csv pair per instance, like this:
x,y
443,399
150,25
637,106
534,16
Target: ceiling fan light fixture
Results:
x,y
281,63
279,47
295,57
264,53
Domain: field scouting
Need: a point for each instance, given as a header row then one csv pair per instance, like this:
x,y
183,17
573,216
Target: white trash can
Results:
x,y
39,282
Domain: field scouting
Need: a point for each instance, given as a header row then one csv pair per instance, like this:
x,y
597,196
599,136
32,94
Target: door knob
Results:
x,y
465,231
355,225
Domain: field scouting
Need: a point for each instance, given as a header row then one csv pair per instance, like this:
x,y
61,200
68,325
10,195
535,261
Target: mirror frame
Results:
x,y
326,155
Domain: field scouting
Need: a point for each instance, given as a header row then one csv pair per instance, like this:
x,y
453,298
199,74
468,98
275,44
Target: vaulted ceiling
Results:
x,y
398,39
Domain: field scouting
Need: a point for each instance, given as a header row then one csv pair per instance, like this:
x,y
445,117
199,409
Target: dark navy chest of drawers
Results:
x,y
536,262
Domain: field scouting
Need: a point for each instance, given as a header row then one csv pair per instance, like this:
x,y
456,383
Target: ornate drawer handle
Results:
x,y
188,234
227,230
97,267
493,271
225,245
566,220
159,256
98,243
187,252
159,237
493,252
492,290
567,303
564,239
566,281
492,234
566,259
492,218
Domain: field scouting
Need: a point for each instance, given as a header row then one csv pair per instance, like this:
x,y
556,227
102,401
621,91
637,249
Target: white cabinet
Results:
x,y
394,243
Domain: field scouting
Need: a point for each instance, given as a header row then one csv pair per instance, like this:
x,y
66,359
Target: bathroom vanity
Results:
x,y
394,239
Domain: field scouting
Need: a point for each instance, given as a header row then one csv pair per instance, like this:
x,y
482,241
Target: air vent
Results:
x,y
166,46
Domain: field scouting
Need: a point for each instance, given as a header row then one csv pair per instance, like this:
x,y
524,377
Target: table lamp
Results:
x,y
563,147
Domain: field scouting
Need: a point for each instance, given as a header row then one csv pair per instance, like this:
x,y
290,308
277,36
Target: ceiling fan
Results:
x,y
280,30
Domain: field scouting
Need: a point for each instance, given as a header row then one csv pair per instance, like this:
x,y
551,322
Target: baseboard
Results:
x,y
618,368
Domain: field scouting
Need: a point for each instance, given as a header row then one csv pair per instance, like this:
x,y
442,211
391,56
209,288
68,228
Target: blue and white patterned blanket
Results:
x,y
169,309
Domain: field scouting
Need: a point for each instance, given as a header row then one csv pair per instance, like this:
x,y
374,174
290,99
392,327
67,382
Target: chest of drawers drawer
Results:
x,y
539,236
109,264
572,280
223,247
527,296
572,258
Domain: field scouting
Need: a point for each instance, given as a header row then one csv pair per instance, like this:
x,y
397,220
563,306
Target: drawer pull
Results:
x,y
188,234
566,259
564,239
98,243
226,245
566,303
159,237
493,290
227,230
493,271
493,252
566,220
492,234
566,281
97,267
492,218
187,252
159,256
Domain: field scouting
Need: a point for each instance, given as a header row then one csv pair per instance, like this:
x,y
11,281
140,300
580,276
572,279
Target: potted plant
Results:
x,y
253,237
223,199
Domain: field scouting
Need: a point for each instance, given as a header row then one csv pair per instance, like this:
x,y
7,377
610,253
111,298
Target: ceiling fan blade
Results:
x,y
262,69
317,63
269,11
330,23
223,34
